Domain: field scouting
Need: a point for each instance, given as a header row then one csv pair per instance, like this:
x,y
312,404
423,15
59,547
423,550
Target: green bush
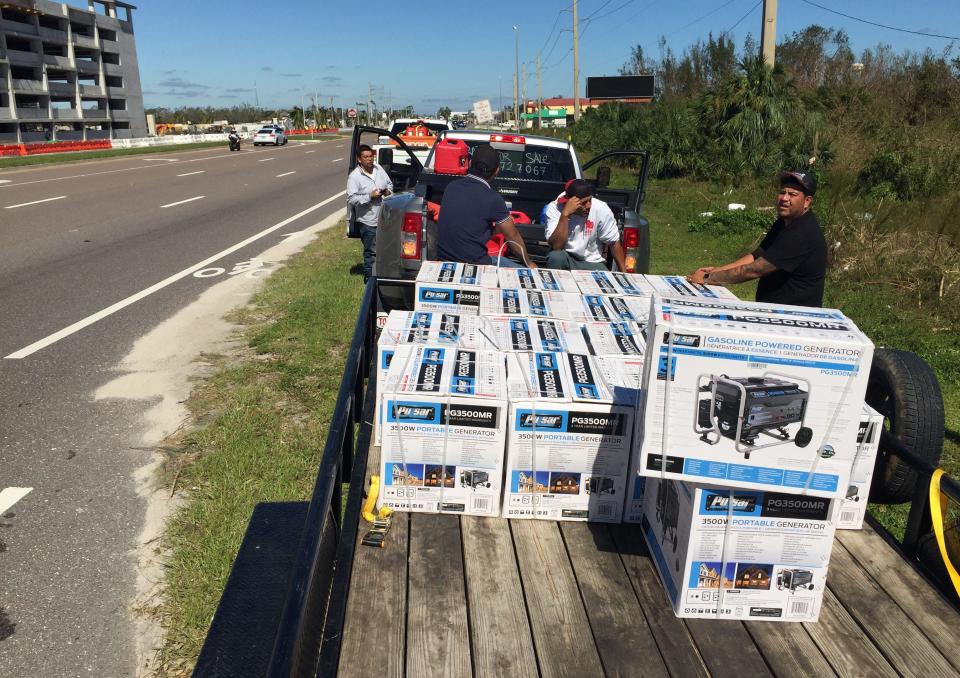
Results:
x,y
732,222
910,173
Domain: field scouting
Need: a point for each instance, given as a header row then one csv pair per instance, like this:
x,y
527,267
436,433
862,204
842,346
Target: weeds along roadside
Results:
x,y
260,425
890,270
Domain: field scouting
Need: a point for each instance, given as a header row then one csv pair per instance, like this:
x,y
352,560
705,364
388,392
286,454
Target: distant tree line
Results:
x,y
889,119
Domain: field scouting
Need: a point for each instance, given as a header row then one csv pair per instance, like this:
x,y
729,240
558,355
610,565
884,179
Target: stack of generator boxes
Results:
x,y
734,433
747,441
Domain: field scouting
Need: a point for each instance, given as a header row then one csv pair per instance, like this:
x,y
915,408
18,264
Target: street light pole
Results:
x,y
516,79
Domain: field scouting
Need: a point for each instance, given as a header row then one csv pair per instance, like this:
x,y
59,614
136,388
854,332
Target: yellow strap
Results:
x,y
938,506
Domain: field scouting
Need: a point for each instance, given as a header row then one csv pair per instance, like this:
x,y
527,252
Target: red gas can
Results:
x,y
452,157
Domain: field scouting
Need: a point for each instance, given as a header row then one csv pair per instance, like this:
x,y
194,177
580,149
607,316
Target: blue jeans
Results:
x,y
368,236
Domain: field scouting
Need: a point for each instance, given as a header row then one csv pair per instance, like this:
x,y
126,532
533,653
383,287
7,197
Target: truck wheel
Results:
x,y
904,389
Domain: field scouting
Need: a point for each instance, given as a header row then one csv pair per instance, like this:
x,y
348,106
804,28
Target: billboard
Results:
x,y
620,87
482,110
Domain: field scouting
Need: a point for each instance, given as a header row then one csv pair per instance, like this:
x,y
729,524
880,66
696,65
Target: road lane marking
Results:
x,y
181,202
286,174
7,181
11,496
123,303
190,174
159,159
338,159
35,202
305,153
265,160
340,146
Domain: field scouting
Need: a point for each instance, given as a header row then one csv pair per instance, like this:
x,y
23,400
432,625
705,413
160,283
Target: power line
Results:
x,y
889,28
555,22
712,11
740,20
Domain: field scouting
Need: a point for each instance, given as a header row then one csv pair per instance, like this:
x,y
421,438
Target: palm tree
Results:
x,y
297,117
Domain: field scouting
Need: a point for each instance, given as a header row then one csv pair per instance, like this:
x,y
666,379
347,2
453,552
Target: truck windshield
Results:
x,y
537,163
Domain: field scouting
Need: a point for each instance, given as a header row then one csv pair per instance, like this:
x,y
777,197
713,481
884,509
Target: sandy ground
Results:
x,y
159,369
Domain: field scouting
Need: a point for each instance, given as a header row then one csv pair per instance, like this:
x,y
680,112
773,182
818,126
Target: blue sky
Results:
x,y
429,54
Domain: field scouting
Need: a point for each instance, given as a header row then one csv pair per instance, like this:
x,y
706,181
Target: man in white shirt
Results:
x,y
367,185
577,225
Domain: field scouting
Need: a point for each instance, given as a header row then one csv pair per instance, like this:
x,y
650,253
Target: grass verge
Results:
x,y
20,161
262,422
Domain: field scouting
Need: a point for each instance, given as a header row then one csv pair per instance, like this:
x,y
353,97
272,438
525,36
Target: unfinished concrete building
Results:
x,y
68,73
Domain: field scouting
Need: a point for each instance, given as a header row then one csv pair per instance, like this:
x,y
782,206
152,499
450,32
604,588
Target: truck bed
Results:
x,y
462,596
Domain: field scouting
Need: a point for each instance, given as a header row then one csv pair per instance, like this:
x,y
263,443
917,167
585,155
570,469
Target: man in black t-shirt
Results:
x,y
471,211
791,260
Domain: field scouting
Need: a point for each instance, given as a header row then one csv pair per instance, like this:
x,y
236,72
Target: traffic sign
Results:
x,y
351,112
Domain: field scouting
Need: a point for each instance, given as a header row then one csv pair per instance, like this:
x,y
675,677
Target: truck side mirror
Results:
x,y
385,157
603,176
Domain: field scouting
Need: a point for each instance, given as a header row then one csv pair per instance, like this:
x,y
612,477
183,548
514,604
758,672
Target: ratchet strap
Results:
x,y
938,506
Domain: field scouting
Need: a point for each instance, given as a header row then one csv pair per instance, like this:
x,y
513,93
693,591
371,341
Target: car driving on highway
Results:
x,y
270,134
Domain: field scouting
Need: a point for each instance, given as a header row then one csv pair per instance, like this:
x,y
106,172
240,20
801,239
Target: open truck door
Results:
x,y
635,234
385,144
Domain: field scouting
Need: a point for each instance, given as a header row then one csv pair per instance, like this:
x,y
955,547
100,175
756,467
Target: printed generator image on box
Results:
x,y
739,554
444,427
569,435
753,400
853,505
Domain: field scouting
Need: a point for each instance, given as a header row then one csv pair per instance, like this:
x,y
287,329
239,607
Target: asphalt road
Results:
x,y
92,256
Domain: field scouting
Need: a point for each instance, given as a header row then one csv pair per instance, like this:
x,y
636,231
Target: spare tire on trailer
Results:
x,y
904,389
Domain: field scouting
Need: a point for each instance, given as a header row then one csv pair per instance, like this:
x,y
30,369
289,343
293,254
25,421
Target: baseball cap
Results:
x,y
805,180
485,158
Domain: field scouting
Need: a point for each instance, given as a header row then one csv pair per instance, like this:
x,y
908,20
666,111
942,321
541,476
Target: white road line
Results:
x,y
340,146
110,310
286,174
305,153
35,202
338,159
7,181
190,174
180,202
159,159
10,496
265,160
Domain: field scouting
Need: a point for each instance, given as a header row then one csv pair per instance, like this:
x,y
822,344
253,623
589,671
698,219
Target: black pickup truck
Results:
x,y
533,171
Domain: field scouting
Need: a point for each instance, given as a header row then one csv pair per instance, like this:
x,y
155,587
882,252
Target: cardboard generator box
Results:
x,y
453,287
753,400
615,339
543,279
569,434
612,283
853,505
679,286
739,554
444,428
519,302
536,334
586,308
424,327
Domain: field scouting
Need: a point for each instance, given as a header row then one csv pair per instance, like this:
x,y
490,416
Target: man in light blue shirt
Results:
x,y
367,185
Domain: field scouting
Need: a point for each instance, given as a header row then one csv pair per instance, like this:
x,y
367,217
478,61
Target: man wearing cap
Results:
x,y
577,224
471,210
791,260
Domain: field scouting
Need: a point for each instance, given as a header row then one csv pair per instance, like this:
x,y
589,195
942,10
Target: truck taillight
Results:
x,y
410,235
507,139
631,247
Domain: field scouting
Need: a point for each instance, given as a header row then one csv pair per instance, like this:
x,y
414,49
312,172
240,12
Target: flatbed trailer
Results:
x,y
465,596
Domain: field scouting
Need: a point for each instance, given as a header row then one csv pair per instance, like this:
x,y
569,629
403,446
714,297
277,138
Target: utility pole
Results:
x,y
369,100
539,96
768,32
516,77
576,66
523,95
256,94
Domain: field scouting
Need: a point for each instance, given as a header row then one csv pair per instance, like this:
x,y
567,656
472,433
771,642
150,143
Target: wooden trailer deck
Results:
x,y
453,596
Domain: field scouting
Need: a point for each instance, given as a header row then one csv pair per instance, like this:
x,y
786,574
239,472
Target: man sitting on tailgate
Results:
x,y
577,224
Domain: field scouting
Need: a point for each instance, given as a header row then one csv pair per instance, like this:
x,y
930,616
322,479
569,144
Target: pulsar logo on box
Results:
x,y
596,423
445,296
426,413
529,420
721,502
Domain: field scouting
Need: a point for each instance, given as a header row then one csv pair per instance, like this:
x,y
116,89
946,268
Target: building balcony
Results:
x,y
66,114
58,61
28,85
87,66
85,41
19,57
91,90
96,114
120,114
8,26
62,88
112,69
53,35
116,92
33,113
5,113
